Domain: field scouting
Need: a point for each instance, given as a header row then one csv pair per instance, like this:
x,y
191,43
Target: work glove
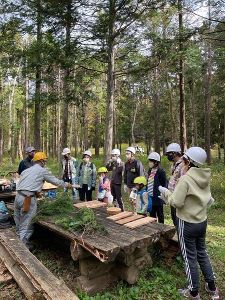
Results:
x,y
163,192
125,188
211,201
69,186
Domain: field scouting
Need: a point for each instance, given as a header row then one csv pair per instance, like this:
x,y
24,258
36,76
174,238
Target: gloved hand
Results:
x,y
118,160
125,188
162,190
163,198
211,201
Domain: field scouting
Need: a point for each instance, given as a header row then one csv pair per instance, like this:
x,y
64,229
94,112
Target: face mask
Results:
x,y
128,156
170,156
86,159
114,158
151,164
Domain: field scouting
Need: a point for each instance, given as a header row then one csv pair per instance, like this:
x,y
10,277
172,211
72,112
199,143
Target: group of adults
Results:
x,y
187,191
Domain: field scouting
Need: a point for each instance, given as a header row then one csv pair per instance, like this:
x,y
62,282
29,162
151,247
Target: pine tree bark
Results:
x,y
110,82
208,81
183,133
37,105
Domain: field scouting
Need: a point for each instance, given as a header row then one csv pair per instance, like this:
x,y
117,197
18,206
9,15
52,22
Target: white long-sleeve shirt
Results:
x,y
32,179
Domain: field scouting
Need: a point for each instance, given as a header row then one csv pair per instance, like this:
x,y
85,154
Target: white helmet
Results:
x,y
115,152
66,151
131,149
173,147
197,155
87,152
154,156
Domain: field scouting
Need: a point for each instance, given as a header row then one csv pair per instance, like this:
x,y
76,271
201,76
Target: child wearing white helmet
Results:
x,y
133,168
69,171
174,155
116,166
156,178
192,197
86,177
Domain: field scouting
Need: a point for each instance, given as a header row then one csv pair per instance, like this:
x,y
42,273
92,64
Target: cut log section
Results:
x,y
140,222
34,279
97,284
90,204
121,215
129,219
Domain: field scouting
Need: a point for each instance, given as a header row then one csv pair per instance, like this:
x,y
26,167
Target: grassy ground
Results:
x,y
162,280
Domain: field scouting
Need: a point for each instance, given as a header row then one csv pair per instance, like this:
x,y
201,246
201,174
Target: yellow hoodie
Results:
x,y
192,195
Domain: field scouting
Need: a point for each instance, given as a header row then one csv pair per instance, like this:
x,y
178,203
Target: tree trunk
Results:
x,y
193,114
183,134
224,136
37,105
67,71
26,116
110,82
134,120
208,80
156,106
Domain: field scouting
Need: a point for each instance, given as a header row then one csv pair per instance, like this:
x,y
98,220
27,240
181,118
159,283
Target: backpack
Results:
x,y
149,207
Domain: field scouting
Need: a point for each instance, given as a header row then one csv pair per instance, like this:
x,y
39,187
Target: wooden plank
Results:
x,y
28,271
121,215
90,204
129,219
140,222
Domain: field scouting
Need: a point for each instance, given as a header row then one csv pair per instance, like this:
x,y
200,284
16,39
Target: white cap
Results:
x,y
154,156
30,149
115,152
87,152
196,155
173,147
131,149
66,151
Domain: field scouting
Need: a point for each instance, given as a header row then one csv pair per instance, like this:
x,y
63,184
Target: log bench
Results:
x,y
119,254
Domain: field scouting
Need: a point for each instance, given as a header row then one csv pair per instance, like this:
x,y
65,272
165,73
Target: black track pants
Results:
x,y
192,243
117,196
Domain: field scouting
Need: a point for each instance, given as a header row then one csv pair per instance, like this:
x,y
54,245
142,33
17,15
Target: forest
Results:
x,y
96,74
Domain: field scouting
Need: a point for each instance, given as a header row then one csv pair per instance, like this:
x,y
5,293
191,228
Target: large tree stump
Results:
x,y
95,285
92,267
129,274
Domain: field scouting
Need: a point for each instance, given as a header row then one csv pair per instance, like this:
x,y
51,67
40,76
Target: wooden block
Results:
x,y
129,274
95,285
90,204
121,215
91,267
129,219
140,222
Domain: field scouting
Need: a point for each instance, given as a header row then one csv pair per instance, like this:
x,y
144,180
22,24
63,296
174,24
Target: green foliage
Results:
x,y
62,212
83,220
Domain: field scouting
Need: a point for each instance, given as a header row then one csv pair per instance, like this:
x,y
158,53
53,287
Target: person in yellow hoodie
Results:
x,y
191,198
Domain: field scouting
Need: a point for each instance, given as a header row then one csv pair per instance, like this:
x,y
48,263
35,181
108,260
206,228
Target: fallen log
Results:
x,y
34,279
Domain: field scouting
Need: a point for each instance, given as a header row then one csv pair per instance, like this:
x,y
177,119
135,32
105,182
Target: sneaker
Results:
x,y
213,294
186,294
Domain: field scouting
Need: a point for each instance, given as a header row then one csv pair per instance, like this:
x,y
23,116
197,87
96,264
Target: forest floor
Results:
x,y
159,282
